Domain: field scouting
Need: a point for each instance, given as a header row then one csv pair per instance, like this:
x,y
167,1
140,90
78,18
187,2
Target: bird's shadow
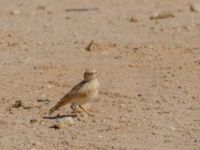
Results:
x,y
59,116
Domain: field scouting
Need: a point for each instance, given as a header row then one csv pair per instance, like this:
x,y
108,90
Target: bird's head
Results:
x,y
89,74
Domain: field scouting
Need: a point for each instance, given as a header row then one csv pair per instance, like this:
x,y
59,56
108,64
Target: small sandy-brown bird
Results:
x,y
82,93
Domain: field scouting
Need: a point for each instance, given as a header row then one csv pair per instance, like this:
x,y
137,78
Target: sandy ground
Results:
x,y
148,67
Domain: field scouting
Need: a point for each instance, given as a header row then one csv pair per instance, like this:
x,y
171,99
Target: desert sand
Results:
x,y
146,53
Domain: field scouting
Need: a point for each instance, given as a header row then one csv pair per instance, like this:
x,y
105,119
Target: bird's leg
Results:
x,y
85,110
82,108
74,108
74,111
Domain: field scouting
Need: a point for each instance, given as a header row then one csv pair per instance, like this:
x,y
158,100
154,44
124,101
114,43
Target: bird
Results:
x,y
82,93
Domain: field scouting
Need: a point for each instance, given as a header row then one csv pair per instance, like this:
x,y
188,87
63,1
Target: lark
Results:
x,y
80,94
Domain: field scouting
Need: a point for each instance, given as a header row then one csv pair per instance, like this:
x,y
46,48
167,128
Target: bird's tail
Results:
x,y
57,106
53,109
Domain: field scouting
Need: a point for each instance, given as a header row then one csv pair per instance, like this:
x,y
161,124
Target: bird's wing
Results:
x,y
76,88
76,92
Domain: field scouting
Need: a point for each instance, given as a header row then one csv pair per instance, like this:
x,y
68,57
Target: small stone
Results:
x,y
46,101
65,143
42,123
49,12
195,7
123,105
49,86
33,121
36,144
56,126
64,122
103,120
44,96
122,119
100,136
39,43
172,126
133,19
41,7
69,121
132,65
67,18
197,62
89,47
17,104
162,15
167,141
118,57
100,46
15,12
46,25
3,99
16,85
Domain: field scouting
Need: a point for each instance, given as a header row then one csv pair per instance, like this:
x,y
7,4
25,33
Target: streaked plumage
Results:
x,y
82,93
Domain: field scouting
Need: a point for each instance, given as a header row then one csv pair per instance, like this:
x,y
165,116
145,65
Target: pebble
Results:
x,y
42,123
100,46
100,136
32,121
133,19
15,12
69,121
122,105
162,15
39,43
89,47
172,126
46,25
195,7
17,104
123,119
103,120
43,96
41,7
56,126
132,65
49,12
63,123
16,85
195,140
49,86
